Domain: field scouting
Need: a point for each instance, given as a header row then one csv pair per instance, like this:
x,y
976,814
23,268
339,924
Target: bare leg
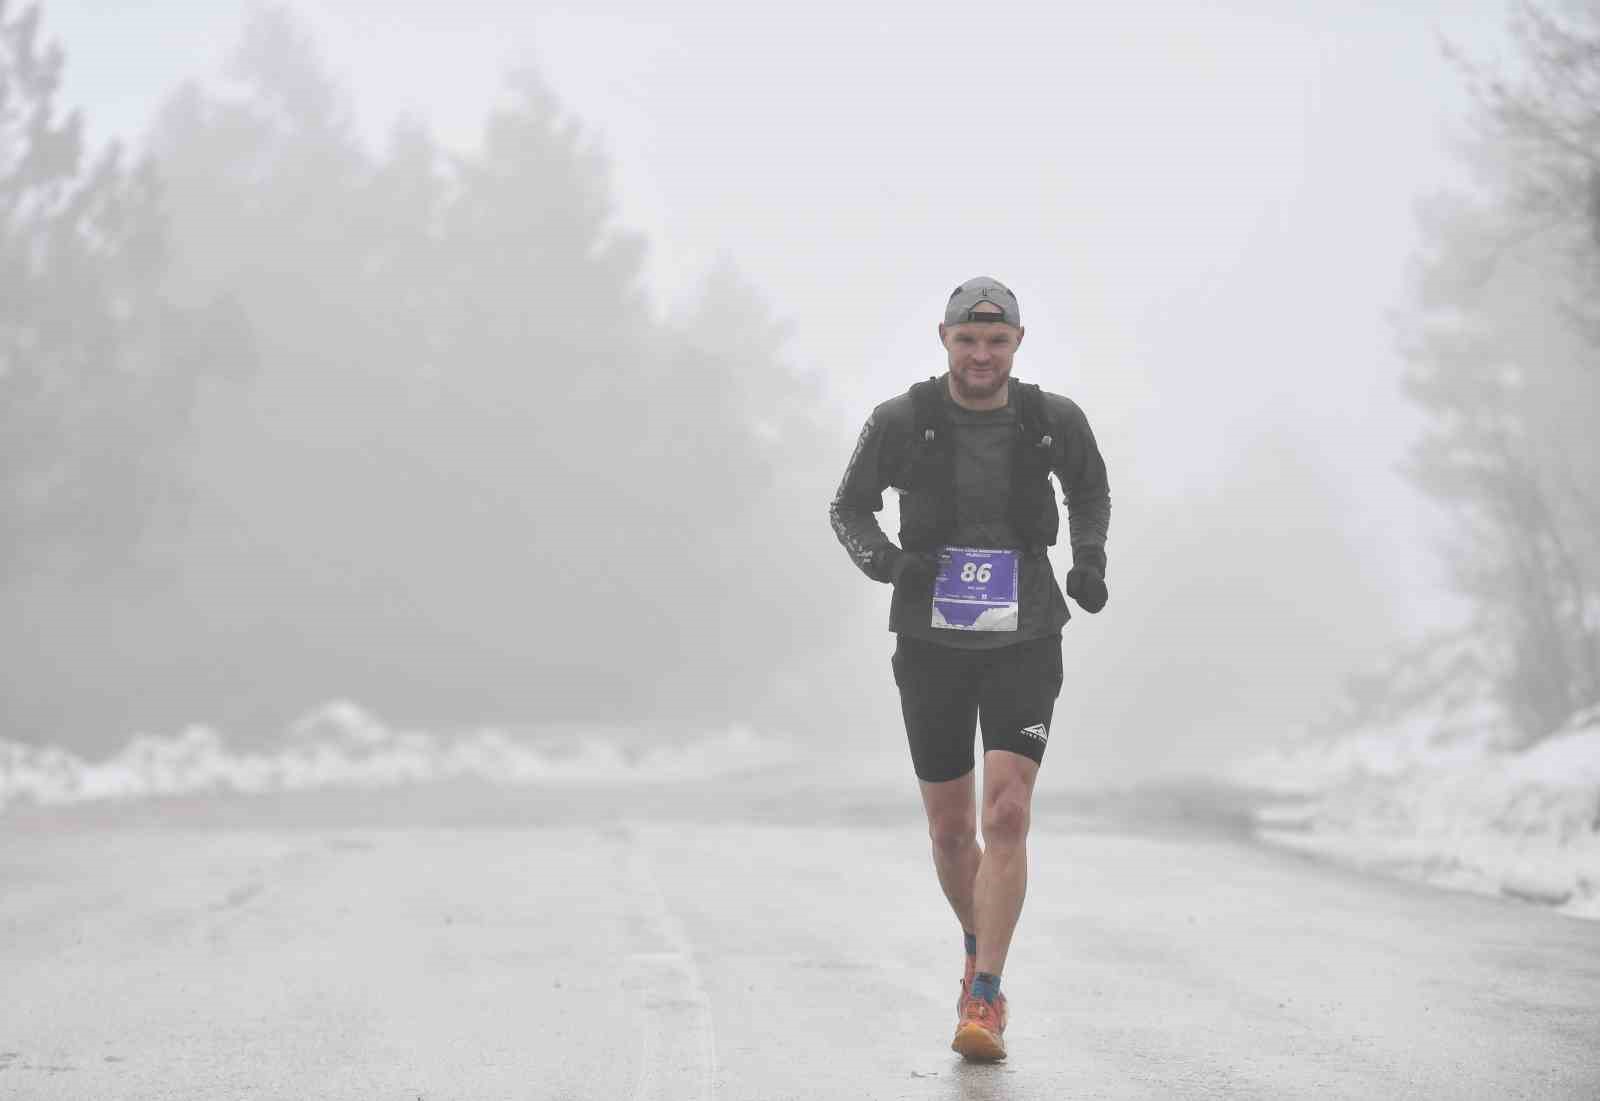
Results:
x,y
1002,879
953,828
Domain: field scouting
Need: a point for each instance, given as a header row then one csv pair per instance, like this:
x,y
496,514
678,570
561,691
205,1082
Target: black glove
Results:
x,y
912,571
1086,581
1086,585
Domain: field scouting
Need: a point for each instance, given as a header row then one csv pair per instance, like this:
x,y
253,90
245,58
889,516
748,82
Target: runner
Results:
x,y
976,610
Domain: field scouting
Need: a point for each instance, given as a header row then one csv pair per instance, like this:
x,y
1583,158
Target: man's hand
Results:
x,y
912,571
1087,586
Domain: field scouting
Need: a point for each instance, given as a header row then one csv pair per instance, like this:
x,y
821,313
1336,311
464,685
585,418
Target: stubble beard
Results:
x,y
980,391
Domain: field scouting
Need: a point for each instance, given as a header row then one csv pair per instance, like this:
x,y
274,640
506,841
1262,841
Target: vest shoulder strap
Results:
x,y
1029,398
927,406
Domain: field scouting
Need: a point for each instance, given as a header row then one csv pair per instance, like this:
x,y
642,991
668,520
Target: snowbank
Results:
x,y
1438,796
340,745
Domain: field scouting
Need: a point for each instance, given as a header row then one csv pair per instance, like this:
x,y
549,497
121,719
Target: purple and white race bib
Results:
x,y
976,590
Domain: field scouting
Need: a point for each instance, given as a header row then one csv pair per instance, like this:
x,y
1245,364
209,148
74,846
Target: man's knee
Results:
x,y
953,833
1005,816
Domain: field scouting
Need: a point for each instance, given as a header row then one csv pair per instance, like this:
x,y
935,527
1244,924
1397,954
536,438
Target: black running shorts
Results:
x,y
945,691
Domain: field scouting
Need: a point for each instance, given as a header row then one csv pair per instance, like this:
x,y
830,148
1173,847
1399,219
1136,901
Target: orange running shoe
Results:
x,y
966,985
980,1035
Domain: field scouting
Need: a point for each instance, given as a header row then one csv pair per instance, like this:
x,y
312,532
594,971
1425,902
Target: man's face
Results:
x,y
980,354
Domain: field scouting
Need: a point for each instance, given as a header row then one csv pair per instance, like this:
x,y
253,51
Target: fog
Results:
x,y
534,344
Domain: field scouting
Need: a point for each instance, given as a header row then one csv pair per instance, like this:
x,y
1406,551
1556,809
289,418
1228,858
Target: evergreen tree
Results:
x,y
473,476
1505,359
95,368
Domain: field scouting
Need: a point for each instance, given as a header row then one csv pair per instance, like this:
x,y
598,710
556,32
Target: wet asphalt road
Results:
x,y
660,948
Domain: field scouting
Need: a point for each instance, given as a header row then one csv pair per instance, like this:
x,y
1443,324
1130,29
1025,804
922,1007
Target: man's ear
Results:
x,y
1020,332
941,335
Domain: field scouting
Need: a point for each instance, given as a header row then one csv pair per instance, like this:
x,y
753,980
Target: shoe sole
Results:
x,y
978,1044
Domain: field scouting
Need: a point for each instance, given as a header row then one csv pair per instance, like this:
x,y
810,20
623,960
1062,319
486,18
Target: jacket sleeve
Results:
x,y
1085,490
859,497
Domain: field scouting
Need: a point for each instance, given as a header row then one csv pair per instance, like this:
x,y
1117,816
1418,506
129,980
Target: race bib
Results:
x,y
976,590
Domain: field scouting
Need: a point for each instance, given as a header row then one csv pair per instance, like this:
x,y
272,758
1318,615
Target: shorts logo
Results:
x,y
1037,730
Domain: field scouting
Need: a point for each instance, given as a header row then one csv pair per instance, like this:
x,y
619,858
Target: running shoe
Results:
x,y
980,1035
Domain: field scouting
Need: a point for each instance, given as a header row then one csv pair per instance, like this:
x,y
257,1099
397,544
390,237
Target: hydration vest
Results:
x,y
928,504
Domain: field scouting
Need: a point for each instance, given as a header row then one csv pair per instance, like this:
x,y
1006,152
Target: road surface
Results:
x,y
685,944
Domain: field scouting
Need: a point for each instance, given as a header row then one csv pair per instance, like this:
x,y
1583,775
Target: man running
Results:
x,y
976,610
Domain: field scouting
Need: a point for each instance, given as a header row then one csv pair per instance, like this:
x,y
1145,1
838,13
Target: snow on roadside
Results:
x,y
341,746
1438,797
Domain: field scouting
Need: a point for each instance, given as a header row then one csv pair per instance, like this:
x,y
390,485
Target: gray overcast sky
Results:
x,y
1206,209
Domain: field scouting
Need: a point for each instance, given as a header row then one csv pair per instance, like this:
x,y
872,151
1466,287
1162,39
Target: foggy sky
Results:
x,y
1206,212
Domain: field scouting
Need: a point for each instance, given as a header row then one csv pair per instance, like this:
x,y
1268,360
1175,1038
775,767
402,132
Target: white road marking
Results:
x,y
678,1051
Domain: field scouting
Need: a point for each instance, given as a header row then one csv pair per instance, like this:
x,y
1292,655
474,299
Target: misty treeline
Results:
x,y
1504,358
285,417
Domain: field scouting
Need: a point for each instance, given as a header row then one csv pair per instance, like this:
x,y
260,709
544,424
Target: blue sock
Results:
x,y
972,942
986,986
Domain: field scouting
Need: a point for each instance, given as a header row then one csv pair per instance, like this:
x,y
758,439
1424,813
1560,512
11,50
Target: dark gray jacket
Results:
x,y
983,455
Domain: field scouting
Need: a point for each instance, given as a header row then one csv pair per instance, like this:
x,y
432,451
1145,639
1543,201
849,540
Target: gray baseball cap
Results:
x,y
965,299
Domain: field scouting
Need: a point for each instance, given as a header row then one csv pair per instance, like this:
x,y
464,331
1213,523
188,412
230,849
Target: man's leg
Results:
x,y
938,696
997,899
985,885
1015,707
1002,880
1017,703
938,699
953,829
